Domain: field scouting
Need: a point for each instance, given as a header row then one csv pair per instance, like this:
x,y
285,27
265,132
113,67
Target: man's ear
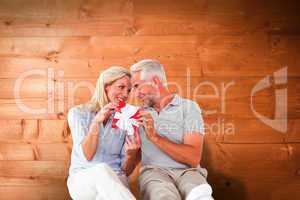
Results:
x,y
156,80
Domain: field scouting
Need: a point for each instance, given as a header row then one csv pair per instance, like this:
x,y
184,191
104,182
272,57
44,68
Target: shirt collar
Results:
x,y
176,100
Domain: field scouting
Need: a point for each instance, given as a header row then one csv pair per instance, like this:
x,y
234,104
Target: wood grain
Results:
x,y
214,52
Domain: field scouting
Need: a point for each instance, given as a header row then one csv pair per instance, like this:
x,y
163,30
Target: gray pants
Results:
x,y
169,184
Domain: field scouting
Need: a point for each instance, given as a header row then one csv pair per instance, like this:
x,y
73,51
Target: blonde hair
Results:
x,y
107,77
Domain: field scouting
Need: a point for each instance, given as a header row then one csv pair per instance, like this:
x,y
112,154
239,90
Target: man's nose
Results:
x,y
125,94
140,94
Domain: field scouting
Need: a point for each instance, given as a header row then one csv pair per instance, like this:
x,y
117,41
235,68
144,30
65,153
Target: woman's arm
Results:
x,y
130,163
132,155
90,142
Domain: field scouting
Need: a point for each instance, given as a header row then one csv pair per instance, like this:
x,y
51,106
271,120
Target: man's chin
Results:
x,y
148,104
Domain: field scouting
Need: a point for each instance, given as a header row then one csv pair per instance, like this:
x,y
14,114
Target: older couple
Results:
x,y
171,130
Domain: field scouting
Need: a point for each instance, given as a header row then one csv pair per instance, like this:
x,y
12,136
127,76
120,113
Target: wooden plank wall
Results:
x,y
214,51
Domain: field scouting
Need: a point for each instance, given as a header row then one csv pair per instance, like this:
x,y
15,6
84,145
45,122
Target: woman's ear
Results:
x,y
106,88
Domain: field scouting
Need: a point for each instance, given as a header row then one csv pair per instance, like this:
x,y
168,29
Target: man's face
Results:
x,y
144,91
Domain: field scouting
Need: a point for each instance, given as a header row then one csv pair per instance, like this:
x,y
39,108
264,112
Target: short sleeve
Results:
x,y
193,121
78,130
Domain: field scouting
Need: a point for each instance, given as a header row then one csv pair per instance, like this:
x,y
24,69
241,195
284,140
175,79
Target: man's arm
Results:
x,y
188,153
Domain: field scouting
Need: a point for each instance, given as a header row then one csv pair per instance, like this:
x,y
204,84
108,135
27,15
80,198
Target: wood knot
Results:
x,y
130,31
7,23
60,115
227,183
52,56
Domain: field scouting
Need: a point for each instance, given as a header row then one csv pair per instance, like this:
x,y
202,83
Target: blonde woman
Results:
x,y
102,157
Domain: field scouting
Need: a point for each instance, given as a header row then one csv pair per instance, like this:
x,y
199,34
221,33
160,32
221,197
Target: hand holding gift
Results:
x,y
125,118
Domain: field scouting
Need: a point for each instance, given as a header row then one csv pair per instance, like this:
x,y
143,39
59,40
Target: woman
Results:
x,y
102,157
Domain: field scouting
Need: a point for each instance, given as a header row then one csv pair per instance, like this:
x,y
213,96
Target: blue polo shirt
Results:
x,y
180,117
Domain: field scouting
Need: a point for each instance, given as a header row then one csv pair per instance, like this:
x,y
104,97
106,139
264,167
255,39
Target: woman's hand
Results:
x,y
132,154
132,146
105,112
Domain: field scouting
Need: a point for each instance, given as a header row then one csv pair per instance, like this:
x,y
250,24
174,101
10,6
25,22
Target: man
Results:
x,y
172,139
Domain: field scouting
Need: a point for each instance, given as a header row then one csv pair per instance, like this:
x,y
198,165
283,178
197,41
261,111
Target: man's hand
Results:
x,y
145,119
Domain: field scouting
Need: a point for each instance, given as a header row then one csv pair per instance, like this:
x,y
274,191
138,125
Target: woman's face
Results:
x,y
118,90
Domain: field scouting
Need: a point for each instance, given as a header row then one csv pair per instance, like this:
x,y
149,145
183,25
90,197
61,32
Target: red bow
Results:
x,y
128,115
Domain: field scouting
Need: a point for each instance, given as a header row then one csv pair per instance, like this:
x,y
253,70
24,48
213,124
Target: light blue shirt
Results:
x,y
110,148
180,117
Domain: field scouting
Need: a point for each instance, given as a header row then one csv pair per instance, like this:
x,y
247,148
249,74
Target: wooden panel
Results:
x,y
277,158
10,110
81,18
241,108
254,70
53,152
32,189
28,88
10,130
16,151
244,131
34,169
233,188
176,6
238,108
18,130
215,17
31,9
52,131
229,166
54,67
255,131
293,134
75,9
35,151
97,47
193,88
254,57
151,23
229,96
225,48
201,23
62,28
30,130
30,68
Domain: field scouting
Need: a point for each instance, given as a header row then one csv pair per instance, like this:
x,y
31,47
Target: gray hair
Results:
x,y
150,68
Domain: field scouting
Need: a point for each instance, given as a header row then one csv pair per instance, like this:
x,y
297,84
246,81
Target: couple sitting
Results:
x,y
171,132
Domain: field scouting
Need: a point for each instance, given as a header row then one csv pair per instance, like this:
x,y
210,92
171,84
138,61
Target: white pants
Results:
x,y
99,182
